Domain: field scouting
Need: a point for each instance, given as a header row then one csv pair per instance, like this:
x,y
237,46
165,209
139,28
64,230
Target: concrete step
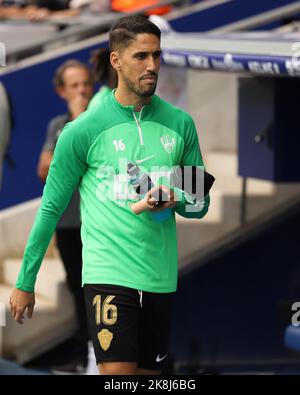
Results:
x,y
195,235
50,275
51,324
227,204
15,225
224,166
226,208
222,163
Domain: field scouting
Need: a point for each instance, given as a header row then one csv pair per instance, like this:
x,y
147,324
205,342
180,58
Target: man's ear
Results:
x,y
115,60
60,92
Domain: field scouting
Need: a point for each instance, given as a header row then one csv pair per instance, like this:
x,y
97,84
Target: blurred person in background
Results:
x,y
103,73
73,83
35,10
9,10
5,125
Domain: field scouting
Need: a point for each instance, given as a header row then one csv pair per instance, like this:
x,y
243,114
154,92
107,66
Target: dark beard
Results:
x,y
140,92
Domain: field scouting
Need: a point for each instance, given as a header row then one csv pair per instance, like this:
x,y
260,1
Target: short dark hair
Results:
x,y
58,79
127,28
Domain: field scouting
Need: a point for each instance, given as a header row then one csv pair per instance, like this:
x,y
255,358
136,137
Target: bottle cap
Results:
x,y
132,169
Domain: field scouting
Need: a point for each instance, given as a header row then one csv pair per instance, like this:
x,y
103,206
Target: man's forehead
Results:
x,y
75,72
145,42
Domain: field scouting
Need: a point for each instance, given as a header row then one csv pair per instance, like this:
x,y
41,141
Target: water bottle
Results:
x,y
142,183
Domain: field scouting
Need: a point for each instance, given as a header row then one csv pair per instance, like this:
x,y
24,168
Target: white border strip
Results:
x,y
2,315
51,54
247,47
19,208
2,55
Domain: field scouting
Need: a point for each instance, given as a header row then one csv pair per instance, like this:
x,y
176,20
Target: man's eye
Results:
x,y
141,56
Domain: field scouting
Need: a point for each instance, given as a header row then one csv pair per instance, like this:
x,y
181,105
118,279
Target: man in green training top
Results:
x,y
129,261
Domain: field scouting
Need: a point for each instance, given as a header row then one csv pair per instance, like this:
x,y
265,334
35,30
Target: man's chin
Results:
x,y
148,92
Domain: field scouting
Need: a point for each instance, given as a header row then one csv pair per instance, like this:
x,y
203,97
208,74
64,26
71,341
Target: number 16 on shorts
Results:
x,y
107,314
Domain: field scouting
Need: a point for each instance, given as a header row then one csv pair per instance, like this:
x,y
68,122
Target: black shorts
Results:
x,y
127,325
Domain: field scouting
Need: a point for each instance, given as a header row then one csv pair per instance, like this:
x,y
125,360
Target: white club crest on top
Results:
x,y
168,142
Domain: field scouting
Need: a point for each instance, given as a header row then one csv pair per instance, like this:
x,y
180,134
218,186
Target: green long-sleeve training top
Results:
x,y
119,247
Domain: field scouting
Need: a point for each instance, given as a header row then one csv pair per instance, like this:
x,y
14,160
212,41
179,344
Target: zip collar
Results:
x,y
129,110
138,124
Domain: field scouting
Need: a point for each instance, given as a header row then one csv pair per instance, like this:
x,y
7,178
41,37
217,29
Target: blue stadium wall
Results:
x,y
34,104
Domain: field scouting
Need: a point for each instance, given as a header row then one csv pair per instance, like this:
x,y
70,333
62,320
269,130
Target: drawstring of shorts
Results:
x,y
141,297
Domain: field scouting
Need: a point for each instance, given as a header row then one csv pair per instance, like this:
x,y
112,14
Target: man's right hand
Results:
x,y
19,302
78,105
44,164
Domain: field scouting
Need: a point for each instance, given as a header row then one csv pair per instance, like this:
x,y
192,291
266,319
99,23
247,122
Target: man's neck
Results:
x,y
127,98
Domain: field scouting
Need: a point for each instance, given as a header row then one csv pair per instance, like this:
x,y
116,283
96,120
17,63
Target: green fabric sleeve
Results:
x,y
67,168
186,206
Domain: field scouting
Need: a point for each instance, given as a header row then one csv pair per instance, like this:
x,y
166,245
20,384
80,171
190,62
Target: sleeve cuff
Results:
x,y
24,287
183,197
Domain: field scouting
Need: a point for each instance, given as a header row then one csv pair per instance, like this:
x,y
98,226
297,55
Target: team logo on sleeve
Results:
x,y
168,143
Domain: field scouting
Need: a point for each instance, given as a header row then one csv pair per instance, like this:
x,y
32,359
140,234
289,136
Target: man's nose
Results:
x,y
82,89
151,64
